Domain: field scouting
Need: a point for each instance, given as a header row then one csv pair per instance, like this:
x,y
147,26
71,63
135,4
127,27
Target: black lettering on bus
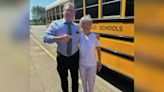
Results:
x,y
121,28
111,28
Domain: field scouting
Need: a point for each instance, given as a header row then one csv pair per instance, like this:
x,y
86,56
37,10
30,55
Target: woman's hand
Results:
x,y
99,66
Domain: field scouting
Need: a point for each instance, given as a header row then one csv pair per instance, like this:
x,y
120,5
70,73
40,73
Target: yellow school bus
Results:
x,y
114,21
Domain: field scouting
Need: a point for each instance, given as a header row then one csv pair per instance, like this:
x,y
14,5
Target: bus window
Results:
x,y
106,0
111,8
92,8
91,2
93,11
129,8
78,3
79,8
79,14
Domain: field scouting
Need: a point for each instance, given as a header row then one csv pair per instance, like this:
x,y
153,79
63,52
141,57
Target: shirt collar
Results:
x,y
64,20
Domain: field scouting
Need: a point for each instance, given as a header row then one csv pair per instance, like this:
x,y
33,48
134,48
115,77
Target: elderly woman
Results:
x,y
89,43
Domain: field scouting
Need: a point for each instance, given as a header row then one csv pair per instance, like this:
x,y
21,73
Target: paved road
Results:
x,y
43,73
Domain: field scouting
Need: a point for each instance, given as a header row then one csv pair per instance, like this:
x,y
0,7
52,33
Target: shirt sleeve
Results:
x,y
50,33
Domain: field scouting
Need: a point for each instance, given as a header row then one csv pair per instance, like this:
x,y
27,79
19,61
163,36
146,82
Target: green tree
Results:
x,y
38,15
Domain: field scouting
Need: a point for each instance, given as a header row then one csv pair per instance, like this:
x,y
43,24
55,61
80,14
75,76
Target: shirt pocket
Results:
x,y
76,36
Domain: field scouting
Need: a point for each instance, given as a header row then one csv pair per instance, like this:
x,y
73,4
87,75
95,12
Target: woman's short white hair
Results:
x,y
86,18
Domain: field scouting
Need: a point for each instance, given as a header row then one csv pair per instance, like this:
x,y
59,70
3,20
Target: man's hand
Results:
x,y
66,37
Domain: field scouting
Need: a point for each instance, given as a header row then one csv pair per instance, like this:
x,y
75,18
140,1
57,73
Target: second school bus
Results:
x,y
114,21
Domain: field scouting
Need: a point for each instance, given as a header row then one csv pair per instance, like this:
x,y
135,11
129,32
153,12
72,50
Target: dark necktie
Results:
x,y
69,43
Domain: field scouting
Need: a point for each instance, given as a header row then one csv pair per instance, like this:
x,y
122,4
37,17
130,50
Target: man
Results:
x,y
66,34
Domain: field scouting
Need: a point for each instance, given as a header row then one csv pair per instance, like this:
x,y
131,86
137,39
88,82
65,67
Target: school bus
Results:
x,y
114,21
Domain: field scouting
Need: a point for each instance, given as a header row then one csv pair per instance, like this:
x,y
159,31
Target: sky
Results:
x,y
40,3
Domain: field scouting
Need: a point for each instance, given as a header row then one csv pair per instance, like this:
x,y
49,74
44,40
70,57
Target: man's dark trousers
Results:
x,y
68,63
